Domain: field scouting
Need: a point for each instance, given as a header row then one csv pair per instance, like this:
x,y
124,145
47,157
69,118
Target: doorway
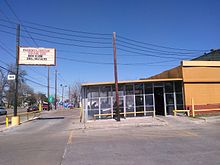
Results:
x,y
159,101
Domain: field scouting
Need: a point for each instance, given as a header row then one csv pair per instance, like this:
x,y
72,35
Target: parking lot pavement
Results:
x,y
58,137
181,141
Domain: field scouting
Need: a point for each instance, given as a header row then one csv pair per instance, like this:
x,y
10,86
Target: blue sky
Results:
x,y
187,24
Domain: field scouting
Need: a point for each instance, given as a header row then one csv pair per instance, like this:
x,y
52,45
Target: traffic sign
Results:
x,y
50,99
11,77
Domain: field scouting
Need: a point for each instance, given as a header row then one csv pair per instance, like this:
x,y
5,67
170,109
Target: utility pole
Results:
x,y
116,78
48,88
55,101
17,69
69,94
62,91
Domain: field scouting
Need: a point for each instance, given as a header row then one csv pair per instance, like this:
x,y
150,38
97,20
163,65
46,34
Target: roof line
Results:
x,y
131,81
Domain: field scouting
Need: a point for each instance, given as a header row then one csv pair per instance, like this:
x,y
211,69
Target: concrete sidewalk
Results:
x,y
128,122
211,119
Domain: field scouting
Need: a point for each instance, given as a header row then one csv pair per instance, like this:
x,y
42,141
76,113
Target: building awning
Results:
x,y
131,81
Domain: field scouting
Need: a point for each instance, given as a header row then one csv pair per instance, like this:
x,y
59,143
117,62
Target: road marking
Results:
x,y
70,138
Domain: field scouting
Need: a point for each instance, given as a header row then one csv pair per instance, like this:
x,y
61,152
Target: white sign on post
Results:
x,y
37,56
11,77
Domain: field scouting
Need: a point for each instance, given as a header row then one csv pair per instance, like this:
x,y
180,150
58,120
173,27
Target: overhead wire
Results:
x,y
25,77
165,47
60,43
150,55
9,53
69,30
61,33
171,54
110,63
11,9
134,52
63,38
152,50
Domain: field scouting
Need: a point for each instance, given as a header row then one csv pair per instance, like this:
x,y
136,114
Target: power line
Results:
x,y
134,52
24,77
63,38
7,51
14,57
60,43
150,55
119,36
109,63
152,50
61,33
85,53
11,9
69,39
165,47
62,78
69,30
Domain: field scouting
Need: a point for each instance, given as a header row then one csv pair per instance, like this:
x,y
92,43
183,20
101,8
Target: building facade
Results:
x,y
159,94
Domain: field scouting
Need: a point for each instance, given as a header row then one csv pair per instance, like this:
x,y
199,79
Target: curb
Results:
x,y
6,128
124,123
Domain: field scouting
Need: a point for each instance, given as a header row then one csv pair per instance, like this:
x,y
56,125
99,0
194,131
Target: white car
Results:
x,y
3,111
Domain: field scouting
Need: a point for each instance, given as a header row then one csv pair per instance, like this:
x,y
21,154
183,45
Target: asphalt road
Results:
x,y
56,139
37,142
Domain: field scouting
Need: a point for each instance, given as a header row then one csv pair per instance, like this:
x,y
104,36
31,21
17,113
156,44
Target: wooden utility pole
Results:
x,y
17,69
55,101
116,78
48,88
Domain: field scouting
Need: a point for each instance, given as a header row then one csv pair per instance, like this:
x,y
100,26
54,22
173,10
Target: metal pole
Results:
x,y
116,78
55,101
69,94
17,69
62,92
48,88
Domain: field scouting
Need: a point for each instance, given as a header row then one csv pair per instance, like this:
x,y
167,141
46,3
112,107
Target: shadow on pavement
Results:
x,y
49,118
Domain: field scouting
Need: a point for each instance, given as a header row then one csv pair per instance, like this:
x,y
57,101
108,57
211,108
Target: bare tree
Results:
x,y
26,95
9,93
75,91
3,84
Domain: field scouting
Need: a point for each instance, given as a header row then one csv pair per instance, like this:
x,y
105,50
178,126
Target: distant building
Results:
x,y
160,94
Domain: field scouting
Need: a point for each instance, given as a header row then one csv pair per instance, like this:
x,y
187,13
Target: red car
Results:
x,y
32,108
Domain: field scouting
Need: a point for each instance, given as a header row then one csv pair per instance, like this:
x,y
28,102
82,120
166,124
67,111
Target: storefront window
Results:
x,y
138,89
149,100
169,87
169,99
129,89
94,92
178,86
148,88
105,91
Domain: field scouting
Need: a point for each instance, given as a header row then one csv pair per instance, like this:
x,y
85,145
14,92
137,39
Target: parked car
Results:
x,y
3,111
45,106
32,108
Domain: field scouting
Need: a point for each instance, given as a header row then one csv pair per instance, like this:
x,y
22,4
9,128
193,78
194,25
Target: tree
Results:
x,y
42,97
26,95
75,92
3,85
9,93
